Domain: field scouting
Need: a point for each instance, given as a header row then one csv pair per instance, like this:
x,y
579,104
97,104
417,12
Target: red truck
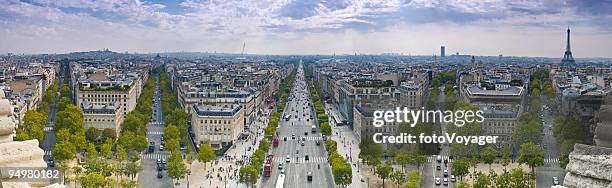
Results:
x,y
275,141
268,166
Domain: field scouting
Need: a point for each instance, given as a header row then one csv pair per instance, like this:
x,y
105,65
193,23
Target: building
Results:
x,y
442,51
107,116
501,106
125,92
218,126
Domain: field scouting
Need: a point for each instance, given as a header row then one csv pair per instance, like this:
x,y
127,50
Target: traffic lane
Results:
x,y
545,174
149,179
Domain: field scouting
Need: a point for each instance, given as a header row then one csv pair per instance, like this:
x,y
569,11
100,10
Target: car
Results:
x,y
158,161
282,171
438,167
303,138
160,174
555,180
297,151
159,167
324,138
452,178
437,181
306,157
51,163
163,161
285,138
302,143
445,172
288,159
280,165
309,176
293,137
161,147
318,143
445,181
162,138
305,133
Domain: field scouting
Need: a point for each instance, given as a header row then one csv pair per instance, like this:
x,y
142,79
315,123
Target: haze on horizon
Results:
x,y
417,27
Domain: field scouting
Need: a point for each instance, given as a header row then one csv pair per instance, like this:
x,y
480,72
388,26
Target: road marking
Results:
x,y
155,156
155,132
48,152
48,129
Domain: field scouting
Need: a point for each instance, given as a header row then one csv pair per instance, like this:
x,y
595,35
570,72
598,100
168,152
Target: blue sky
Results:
x,y
419,27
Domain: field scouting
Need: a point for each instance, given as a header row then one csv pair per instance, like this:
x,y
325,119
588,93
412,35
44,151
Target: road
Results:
x,y
551,166
49,142
148,178
300,124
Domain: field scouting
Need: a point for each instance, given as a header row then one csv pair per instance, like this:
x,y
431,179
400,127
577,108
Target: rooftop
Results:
x,y
209,110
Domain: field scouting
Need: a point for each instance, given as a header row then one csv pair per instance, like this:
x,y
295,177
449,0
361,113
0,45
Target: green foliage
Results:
x,y
488,155
93,180
513,178
64,150
460,168
32,126
531,155
568,131
92,134
383,171
206,153
529,129
482,181
326,129
71,118
414,179
248,174
398,177
176,167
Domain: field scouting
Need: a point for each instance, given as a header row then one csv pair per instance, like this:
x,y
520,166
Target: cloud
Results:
x,y
201,25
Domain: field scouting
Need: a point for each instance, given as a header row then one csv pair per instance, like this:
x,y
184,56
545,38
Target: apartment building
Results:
x,y
217,125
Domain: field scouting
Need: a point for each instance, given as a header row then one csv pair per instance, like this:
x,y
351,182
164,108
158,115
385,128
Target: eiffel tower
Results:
x,y
568,59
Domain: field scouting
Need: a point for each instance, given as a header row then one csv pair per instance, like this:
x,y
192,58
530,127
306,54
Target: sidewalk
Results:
x,y
223,172
348,147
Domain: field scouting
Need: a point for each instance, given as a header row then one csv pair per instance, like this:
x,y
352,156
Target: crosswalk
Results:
x,y
307,138
156,123
301,159
48,129
551,160
432,159
155,156
155,132
48,152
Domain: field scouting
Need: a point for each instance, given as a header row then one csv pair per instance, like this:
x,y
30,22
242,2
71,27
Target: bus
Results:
x,y
280,181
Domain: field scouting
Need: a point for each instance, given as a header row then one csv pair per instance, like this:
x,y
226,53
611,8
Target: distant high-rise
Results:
x,y
442,51
568,59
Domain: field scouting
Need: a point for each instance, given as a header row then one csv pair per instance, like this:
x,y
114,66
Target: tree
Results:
x,y
65,92
70,118
248,174
106,149
326,129
64,150
383,171
171,132
341,171
109,133
398,177
414,179
402,158
120,152
92,134
132,168
176,167
33,125
420,159
505,158
531,155
488,155
460,168
91,151
206,154
64,101
482,181
93,180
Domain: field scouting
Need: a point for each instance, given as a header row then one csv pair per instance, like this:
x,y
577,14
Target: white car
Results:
x,y
437,181
288,159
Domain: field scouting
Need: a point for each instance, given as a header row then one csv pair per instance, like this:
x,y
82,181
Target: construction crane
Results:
x,y
242,58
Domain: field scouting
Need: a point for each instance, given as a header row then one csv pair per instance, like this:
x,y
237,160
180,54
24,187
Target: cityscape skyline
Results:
x,y
535,29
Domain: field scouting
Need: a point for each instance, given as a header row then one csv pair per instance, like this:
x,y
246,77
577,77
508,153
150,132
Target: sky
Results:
x,y
410,27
